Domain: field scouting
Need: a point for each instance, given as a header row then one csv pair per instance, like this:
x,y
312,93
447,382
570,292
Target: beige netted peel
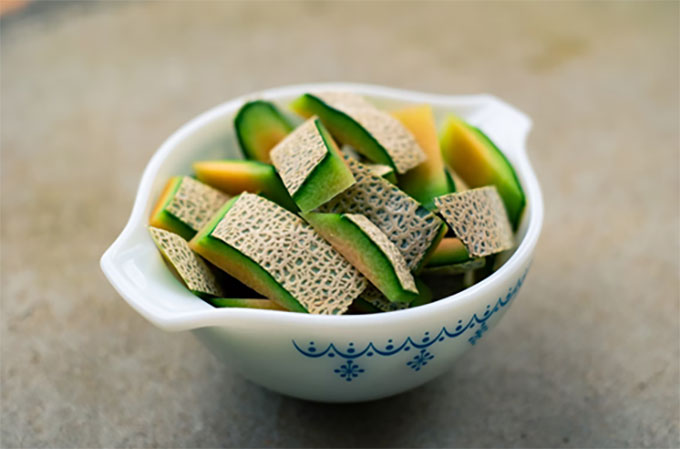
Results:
x,y
195,273
195,203
287,248
296,156
479,219
387,248
399,143
407,224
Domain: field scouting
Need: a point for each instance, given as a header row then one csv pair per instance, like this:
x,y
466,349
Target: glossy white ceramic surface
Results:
x,y
325,358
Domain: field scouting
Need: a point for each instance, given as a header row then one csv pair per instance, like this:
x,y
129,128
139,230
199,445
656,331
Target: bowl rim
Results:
x,y
176,321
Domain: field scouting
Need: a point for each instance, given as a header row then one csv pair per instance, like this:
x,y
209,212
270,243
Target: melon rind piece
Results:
x,y
259,127
429,179
478,218
369,250
246,303
372,300
185,206
382,170
277,254
356,122
311,166
455,268
237,176
412,228
479,162
450,250
190,268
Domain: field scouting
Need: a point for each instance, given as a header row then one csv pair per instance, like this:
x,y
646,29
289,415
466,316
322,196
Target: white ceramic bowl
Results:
x,y
325,358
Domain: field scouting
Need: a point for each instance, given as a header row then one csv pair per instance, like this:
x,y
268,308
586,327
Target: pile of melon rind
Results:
x,y
353,210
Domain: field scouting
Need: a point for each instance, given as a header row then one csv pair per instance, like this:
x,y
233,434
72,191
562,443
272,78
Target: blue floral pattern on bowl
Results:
x,y
350,369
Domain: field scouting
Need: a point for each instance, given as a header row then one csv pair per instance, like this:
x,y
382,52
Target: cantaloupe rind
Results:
x,y
479,162
366,247
311,166
479,219
237,176
372,132
190,268
412,228
185,206
259,126
280,256
451,250
246,303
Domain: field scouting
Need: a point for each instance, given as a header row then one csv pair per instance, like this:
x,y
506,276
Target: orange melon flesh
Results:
x,y
236,176
429,179
450,250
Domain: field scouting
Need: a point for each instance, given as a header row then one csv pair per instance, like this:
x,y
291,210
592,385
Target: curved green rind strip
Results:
x,y
236,263
343,127
354,245
512,193
458,268
245,303
259,127
330,177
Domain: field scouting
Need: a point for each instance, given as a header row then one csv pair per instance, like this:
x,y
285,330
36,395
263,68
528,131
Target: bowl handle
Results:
x,y
504,123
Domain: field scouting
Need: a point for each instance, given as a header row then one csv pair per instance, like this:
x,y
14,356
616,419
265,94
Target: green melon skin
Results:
x,y
236,176
456,268
161,218
259,127
239,265
329,178
479,162
343,127
361,305
360,250
245,303
450,251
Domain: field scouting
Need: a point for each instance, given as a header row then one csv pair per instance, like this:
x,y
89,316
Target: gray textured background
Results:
x,y
588,356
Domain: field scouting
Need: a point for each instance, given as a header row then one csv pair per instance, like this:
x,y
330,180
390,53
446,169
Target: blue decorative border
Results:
x,y
350,370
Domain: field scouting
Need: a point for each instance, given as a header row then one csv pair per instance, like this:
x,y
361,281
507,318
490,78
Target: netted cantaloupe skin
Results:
x,y
310,165
185,205
259,126
188,266
479,162
369,250
237,176
412,228
280,256
356,122
479,219
429,179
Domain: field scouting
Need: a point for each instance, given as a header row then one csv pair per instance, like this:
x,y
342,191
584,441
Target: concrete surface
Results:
x,y
589,355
